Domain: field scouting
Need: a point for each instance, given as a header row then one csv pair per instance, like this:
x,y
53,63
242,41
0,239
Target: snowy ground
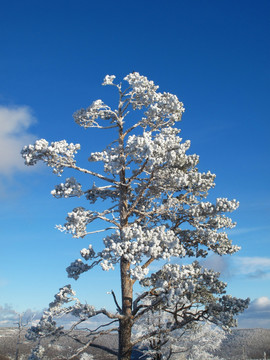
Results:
x,y
251,342
102,349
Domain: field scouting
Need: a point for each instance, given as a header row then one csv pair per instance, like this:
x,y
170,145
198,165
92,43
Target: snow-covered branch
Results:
x,y
79,218
88,117
58,155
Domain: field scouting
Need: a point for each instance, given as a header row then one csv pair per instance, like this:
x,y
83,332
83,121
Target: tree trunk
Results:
x,y
124,352
125,324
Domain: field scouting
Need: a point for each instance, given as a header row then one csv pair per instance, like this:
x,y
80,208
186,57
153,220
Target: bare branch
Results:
x,y
86,171
123,93
79,351
102,230
101,326
128,102
137,172
109,315
131,128
103,127
116,303
108,220
137,300
146,308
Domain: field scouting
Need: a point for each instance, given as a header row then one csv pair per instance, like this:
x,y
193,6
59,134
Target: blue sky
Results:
x,y
214,55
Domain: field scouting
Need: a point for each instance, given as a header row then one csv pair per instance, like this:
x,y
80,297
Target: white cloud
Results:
x,y
10,317
14,134
247,266
261,304
257,315
255,262
217,263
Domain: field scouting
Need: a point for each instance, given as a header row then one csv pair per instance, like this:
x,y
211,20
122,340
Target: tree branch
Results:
x,y
145,265
74,356
102,230
86,171
116,303
100,326
137,172
135,302
109,315
108,220
140,194
131,128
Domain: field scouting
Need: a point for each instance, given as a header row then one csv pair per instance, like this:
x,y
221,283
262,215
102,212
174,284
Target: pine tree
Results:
x,y
157,213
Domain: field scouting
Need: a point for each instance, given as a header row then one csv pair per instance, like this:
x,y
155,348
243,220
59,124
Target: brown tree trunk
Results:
x,y
124,352
125,324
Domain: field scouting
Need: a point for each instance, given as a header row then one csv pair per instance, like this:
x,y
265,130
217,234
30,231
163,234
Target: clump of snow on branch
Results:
x,y
162,109
76,268
110,158
65,295
76,223
88,117
142,91
58,155
68,189
136,243
165,148
102,193
108,80
88,253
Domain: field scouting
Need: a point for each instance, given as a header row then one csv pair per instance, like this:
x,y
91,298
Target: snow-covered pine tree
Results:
x,y
157,213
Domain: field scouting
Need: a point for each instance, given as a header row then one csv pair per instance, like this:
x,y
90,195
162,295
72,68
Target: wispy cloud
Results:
x,y
261,304
14,133
252,267
254,262
247,230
